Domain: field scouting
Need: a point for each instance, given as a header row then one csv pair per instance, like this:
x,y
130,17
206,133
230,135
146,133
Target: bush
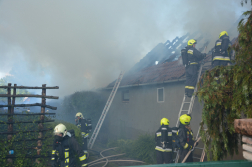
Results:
x,y
143,148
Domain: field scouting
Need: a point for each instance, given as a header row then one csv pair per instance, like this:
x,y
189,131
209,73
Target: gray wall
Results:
x,y
142,114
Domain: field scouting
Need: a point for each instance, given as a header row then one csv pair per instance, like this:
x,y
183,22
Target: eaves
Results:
x,y
147,84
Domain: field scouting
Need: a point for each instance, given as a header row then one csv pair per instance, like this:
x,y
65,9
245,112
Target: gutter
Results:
x,y
146,84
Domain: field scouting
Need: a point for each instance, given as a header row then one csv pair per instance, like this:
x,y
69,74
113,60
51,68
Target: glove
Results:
x,y
196,144
204,55
191,148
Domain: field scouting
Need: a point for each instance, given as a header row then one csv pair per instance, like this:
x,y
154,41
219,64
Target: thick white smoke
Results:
x,y
81,45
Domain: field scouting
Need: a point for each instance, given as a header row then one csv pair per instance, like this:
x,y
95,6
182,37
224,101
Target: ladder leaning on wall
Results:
x,y
189,111
105,111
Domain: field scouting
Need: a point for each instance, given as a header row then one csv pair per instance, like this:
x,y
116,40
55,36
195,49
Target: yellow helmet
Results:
x,y
191,42
60,128
185,119
79,114
164,121
223,33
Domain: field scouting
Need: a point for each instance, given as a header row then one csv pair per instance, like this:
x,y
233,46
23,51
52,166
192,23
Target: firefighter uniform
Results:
x,y
186,139
82,123
220,55
163,139
174,137
194,56
64,150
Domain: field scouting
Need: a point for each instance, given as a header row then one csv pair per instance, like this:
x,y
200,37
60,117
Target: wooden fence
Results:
x,y
10,121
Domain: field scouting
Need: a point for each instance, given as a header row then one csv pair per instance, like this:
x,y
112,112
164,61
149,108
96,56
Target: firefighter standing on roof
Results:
x,y
192,66
220,55
64,149
163,138
185,136
81,123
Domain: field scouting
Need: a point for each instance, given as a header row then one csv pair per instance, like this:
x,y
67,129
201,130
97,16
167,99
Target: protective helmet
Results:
x,y
79,114
60,128
185,119
191,42
223,33
164,121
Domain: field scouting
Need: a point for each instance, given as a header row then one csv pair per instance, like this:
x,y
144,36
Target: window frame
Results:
x,y
158,95
123,93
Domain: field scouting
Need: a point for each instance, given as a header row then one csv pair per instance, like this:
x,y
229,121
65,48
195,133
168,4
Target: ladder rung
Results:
x,y
184,110
198,148
196,157
187,102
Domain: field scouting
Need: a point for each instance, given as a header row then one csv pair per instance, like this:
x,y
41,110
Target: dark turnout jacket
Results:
x,y
63,153
185,136
220,49
163,138
194,56
82,124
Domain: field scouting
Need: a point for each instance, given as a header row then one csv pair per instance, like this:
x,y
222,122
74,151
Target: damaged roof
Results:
x,y
154,74
160,73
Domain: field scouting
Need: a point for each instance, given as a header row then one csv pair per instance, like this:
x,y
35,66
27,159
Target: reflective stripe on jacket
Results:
x,y
185,137
63,153
220,49
163,139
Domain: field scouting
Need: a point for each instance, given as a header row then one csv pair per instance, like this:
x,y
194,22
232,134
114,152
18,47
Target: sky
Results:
x,y
84,44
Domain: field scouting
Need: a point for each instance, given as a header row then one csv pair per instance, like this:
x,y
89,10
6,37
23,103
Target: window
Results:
x,y
160,94
125,95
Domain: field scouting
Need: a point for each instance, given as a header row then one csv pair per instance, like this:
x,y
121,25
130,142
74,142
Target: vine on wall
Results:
x,y
227,93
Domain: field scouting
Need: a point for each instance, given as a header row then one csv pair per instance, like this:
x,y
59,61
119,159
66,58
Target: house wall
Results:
x,y
142,114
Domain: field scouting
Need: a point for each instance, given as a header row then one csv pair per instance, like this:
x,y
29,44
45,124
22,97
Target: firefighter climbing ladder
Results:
x,y
104,112
189,110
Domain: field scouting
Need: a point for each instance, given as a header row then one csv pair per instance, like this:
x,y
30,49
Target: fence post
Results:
x,y
10,119
40,125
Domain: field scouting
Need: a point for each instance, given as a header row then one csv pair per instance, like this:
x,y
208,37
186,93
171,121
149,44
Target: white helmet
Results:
x,y
79,114
60,128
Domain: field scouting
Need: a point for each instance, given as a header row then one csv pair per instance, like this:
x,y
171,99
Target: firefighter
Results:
x,y
185,136
192,66
220,56
163,139
81,123
64,149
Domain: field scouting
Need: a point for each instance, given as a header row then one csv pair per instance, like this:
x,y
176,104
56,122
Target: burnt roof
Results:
x,y
154,74
160,73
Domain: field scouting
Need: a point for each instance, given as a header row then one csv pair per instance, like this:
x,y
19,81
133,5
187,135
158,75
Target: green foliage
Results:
x,y
28,148
143,148
226,98
89,103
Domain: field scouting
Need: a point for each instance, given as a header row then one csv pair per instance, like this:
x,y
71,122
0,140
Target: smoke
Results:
x,y
209,18
80,45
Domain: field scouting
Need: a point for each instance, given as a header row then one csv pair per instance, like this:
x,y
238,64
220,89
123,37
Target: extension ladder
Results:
x,y
105,111
189,110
